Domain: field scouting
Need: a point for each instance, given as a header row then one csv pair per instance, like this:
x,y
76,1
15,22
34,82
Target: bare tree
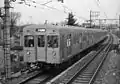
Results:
x,y
14,17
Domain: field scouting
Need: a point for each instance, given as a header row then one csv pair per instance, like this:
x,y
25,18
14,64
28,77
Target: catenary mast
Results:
x,y
6,40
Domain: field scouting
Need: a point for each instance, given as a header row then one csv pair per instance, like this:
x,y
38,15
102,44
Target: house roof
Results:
x,y
17,48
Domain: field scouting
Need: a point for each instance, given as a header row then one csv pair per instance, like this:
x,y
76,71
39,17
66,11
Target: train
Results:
x,y
54,45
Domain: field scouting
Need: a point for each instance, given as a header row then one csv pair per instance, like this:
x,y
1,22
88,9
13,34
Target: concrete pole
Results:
x,y
90,18
119,22
6,39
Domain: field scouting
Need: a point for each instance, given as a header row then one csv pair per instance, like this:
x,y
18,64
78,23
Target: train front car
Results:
x,y
41,44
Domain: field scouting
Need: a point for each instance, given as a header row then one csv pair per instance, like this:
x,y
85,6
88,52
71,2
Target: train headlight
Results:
x,y
28,53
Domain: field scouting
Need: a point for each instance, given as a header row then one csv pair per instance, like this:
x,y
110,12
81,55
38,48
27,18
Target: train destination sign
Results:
x,y
41,30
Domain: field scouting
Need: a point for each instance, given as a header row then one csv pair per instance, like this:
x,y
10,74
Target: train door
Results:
x,y
53,48
41,49
69,48
29,48
88,38
80,40
62,46
84,39
86,43
74,43
91,39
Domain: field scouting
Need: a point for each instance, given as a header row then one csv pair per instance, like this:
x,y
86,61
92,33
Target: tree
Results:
x,y
14,17
71,19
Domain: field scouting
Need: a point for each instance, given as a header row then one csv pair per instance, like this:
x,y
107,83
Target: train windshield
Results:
x,y
41,41
29,41
52,41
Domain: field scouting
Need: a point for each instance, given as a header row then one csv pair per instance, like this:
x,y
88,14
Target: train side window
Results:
x,y
80,38
77,37
68,40
73,38
52,41
41,41
84,37
63,42
29,41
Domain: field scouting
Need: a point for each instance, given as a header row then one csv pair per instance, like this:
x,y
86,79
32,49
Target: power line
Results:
x,y
47,2
39,3
44,4
53,8
28,5
98,5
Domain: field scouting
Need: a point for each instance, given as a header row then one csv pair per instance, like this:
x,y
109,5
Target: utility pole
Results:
x,y
99,23
119,22
6,40
90,18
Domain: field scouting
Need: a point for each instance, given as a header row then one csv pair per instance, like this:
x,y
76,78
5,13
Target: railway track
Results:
x,y
85,74
88,74
41,78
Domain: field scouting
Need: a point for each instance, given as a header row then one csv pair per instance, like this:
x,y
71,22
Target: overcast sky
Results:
x,y
80,8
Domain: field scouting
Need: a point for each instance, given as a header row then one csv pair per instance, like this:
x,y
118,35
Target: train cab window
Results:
x,y
52,41
41,41
29,41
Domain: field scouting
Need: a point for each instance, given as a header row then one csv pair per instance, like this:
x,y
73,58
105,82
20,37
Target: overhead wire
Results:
x,y
50,7
34,2
45,4
98,5
28,5
39,3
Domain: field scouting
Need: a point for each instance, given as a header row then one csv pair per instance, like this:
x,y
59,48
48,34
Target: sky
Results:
x,y
59,11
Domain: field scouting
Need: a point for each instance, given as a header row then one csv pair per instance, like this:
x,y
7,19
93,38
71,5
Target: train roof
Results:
x,y
34,26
